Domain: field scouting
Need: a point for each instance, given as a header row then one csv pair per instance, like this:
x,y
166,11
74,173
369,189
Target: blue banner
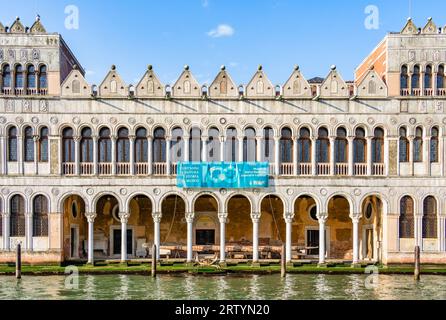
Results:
x,y
228,175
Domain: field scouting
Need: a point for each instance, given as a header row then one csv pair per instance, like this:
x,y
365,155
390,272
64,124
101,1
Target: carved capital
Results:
x,y
91,216
322,217
132,138
77,138
223,218
28,215
190,216
5,214
356,217
36,138
157,216
289,217
124,216
255,217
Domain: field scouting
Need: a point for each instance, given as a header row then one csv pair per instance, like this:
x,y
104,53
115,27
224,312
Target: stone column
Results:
x,y
156,227
222,148
355,219
6,232
313,156
289,227
132,154
441,152
29,231
332,156
351,160
95,155
77,154
124,220
168,156
223,218
36,154
113,154
204,148
255,216
434,83
322,218
150,155
277,155
422,73
190,225
20,157
186,149
240,149
411,148
295,156
369,156
259,149
418,230
386,156
427,154
90,218
4,159
442,233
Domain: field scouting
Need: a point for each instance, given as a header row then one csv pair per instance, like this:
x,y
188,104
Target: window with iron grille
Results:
x,y
40,217
141,146
286,146
29,145
43,145
406,223
430,218
12,144
17,219
404,145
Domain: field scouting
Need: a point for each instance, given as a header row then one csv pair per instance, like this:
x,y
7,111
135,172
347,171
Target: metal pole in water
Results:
x,y
283,262
18,263
417,264
154,261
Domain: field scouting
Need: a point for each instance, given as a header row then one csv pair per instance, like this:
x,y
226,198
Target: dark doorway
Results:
x,y
73,243
205,237
117,241
313,242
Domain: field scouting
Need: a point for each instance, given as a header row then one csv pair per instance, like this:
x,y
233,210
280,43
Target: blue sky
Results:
x,y
169,34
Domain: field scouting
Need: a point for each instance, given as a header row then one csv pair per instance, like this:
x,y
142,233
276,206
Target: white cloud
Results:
x,y
222,30
205,3
90,73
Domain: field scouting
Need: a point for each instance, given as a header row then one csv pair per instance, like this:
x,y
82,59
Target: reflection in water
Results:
x,y
293,287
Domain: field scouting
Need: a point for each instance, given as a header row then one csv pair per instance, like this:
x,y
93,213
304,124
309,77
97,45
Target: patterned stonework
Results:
x,y
54,156
393,157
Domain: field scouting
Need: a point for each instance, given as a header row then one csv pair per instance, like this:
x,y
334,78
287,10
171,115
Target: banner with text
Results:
x,y
228,175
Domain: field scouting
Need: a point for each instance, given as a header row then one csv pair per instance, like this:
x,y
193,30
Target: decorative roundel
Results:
x,y
205,121
223,121
113,120
296,121
94,120
156,191
429,120
190,191
54,120
412,120
35,120
19,120
132,121
55,191
333,121
28,191
76,120
2,120
123,191
371,121
168,120
186,121
314,121
357,192
290,192
256,191
5,191
223,192
150,121
241,121
324,192
259,121
90,191
393,121
420,192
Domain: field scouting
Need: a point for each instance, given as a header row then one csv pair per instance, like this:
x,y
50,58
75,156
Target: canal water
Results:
x,y
184,287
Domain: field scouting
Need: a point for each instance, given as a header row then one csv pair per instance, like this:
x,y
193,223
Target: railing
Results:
x,y
69,168
31,91
43,91
441,92
360,169
378,169
123,168
342,169
429,92
174,169
159,169
416,92
19,91
287,169
23,91
105,168
323,169
7,91
405,92
305,169
87,168
142,169
272,169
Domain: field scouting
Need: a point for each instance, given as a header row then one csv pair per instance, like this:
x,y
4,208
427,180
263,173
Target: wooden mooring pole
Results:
x,y
283,262
417,264
18,263
154,254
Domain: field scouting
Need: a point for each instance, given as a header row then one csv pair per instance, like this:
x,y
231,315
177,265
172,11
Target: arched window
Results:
x,y
428,77
123,146
418,145
341,146
105,146
268,145
323,146
31,77
404,145
177,148
304,146
28,144
12,144
360,146
17,219
18,77
87,146
250,145
6,72
378,146
159,145
214,145
68,146
43,144
141,146
43,81
195,145
1,220
231,145
406,223
429,218
40,216
434,145
416,77
440,77
286,146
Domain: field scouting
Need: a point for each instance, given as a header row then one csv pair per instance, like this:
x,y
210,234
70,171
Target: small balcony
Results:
x,y
323,169
341,169
123,168
360,169
405,92
105,168
441,92
69,168
378,169
159,169
305,169
174,169
287,169
141,168
416,92
429,92
87,168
